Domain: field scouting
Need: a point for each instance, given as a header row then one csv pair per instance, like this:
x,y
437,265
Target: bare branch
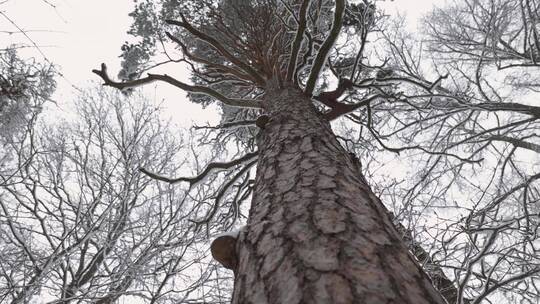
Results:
x,y
243,103
291,67
342,109
229,125
219,47
222,192
214,65
320,60
211,167
516,142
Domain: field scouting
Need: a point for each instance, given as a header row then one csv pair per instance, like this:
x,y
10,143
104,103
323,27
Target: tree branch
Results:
x,y
222,193
214,65
325,47
342,109
233,102
229,125
516,142
329,99
212,166
291,67
219,47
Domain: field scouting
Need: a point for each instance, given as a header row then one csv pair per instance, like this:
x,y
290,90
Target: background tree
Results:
x,y
80,223
25,86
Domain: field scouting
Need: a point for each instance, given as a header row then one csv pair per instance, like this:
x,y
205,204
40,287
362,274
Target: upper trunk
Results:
x,y
316,232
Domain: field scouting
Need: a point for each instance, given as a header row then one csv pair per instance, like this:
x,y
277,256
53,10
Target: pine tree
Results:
x,y
316,233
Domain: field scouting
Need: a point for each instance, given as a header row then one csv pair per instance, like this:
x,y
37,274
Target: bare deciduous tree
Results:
x,y
80,223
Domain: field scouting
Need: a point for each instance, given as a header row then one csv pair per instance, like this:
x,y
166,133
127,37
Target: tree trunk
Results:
x,y
316,233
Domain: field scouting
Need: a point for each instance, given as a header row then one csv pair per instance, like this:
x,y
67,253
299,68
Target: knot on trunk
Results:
x,y
223,250
262,121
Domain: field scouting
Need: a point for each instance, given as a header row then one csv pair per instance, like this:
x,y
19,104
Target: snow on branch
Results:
x,y
211,167
291,67
342,108
256,77
230,125
233,102
322,55
218,67
221,194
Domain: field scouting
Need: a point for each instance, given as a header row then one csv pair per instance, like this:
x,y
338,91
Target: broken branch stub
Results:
x,y
223,250
262,121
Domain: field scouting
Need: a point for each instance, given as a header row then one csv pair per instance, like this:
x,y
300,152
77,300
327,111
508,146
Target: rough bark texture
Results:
x,y
439,279
316,232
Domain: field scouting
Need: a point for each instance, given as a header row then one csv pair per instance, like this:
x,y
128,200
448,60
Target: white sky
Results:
x,y
78,35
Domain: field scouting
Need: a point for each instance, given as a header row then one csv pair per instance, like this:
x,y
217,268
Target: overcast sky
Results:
x,y
77,35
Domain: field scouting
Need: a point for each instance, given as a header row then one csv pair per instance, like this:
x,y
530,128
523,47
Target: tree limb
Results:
x,y
516,142
219,47
233,102
214,65
342,109
329,99
325,47
222,193
229,125
206,171
291,67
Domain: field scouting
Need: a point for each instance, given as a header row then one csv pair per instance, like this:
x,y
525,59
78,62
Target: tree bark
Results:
x,y
316,232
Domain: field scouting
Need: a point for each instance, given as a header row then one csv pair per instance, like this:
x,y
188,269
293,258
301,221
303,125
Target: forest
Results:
x,y
331,151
